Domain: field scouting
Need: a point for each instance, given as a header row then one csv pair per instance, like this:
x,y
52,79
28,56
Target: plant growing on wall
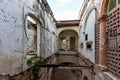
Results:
x,y
36,60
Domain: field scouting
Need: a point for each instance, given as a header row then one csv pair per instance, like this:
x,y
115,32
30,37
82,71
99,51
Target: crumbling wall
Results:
x,y
11,36
13,40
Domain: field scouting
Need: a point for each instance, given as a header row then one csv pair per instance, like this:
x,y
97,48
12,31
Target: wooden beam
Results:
x,y
63,66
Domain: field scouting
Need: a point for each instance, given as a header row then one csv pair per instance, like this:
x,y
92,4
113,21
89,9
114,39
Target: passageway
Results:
x,y
68,65
35,44
68,40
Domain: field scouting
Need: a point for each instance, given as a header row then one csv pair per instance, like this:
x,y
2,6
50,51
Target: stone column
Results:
x,y
103,37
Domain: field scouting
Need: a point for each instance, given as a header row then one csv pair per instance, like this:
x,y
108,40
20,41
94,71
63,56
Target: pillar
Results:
x,y
103,37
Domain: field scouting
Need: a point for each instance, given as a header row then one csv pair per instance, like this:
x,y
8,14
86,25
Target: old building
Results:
x,y
84,49
99,30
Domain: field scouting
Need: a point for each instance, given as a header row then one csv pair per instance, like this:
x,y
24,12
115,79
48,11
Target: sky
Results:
x,y
65,9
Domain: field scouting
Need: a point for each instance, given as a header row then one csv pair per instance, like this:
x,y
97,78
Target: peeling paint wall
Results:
x,y
13,40
11,36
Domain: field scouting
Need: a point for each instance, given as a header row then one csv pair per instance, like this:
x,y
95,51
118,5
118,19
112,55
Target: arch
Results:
x,y
104,7
66,30
34,17
88,14
68,40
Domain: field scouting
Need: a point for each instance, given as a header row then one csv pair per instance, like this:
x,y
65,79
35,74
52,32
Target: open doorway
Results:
x,y
68,38
72,43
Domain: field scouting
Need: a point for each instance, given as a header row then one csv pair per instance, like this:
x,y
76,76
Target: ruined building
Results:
x,y
84,49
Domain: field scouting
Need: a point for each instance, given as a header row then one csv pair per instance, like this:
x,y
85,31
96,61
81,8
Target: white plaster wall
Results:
x,y
90,30
51,28
98,4
13,40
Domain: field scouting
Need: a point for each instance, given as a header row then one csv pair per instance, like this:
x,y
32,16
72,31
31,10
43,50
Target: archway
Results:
x,y
68,40
93,12
104,7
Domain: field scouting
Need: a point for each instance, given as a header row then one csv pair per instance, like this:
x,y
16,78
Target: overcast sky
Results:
x,y
65,9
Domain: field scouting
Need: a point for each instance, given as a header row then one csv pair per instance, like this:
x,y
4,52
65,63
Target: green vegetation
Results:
x,y
36,69
34,60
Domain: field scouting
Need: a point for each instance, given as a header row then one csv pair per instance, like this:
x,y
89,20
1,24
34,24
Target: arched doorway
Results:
x,y
68,40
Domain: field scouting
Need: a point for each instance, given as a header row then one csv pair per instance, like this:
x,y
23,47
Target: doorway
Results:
x,y
72,43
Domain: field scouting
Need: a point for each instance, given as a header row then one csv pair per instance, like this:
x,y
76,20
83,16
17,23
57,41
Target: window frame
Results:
x,y
34,29
117,4
89,43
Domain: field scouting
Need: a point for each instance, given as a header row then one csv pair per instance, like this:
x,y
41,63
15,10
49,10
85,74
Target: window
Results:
x,y
89,45
86,37
112,4
118,1
32,37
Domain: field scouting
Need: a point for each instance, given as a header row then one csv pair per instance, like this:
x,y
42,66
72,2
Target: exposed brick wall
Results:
x,y
113,36
97,40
